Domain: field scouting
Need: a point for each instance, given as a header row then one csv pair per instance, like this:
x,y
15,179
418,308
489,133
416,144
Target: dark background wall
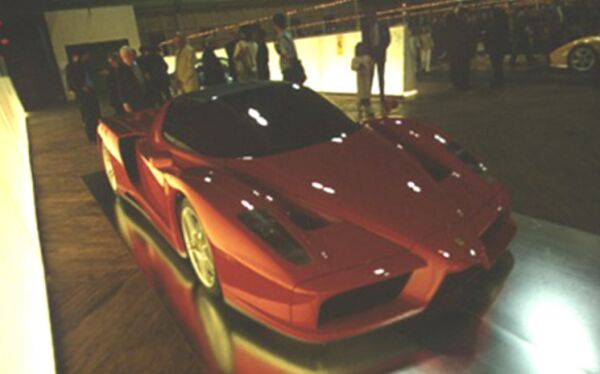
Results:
x,y
28,56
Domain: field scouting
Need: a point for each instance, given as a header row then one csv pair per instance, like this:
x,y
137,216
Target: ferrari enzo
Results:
x,y
299,217
580,55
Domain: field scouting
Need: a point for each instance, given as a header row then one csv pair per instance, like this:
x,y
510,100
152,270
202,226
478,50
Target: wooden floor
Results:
x,y
105,317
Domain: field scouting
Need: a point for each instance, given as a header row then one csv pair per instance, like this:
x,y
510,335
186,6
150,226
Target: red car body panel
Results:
x,y
388,220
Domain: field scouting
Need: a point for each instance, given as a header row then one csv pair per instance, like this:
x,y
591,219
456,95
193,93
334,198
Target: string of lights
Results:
x,y
453,4
236,26
405,10
445,6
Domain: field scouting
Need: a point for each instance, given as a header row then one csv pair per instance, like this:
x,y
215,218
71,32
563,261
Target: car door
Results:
x,y
154,165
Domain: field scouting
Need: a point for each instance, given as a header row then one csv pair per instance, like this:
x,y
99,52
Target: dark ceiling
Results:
x,y
37,6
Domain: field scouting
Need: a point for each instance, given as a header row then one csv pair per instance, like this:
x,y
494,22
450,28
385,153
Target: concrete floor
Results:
x,y
532,313
537,134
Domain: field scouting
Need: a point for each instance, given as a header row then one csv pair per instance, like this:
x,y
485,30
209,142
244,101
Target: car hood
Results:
x,y
362,179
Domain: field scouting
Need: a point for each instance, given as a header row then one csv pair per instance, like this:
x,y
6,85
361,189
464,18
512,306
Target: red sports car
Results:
x,y
301,218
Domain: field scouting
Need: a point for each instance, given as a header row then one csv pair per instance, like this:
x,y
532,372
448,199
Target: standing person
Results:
x,y
362,64
80,82
185,65
413,48
244,56
376,36
291,67
460,48
229,48
214,72
112,82
156,74
131,83
262,55
426,43
521,35
497,44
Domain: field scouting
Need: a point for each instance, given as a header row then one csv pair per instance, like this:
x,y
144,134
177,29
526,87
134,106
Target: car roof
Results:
x,y
207,93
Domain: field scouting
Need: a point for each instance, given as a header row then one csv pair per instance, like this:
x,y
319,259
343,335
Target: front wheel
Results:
x,y
198,248
582,59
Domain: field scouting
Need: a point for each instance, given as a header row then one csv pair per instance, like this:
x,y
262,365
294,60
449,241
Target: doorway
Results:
x,y
99,61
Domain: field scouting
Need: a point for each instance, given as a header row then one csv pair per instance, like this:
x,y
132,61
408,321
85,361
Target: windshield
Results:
x,y
257,122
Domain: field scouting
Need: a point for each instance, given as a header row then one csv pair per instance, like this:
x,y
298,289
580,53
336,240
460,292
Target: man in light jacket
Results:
x,y
185,72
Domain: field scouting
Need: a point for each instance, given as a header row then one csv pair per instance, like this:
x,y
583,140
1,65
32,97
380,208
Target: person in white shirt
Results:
x,y
362,63
244,56
185,70
426,47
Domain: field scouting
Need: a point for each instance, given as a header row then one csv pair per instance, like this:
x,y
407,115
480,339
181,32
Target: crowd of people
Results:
x,y
142,81
133,81
499,32
139,81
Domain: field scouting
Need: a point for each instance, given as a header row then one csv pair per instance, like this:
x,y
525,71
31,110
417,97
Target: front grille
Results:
x,y
459,280
361,299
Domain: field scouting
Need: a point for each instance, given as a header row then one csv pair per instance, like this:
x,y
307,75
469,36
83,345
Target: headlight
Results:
x,y
269,230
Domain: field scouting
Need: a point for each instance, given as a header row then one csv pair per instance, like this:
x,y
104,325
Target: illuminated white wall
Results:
x,y
327,60
89,25
25,336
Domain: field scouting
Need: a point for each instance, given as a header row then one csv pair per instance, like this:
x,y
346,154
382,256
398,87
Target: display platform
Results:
x,y
536,311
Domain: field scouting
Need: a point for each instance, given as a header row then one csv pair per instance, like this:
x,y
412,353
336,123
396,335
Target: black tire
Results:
x,y
198,248
582,59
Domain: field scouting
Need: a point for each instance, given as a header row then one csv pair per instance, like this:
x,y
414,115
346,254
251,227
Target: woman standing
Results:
x,y
244,56
426,44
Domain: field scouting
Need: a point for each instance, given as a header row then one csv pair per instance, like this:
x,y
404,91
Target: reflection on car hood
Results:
x,y
362,179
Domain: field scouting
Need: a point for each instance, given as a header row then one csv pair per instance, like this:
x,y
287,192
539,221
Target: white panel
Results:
x,y
328,67
92,25
25,334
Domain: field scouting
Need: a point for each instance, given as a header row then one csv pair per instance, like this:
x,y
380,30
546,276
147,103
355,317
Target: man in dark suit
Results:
x,y
376,36
262,55
214,72
131,83
79,81
497,45
460,48
156,74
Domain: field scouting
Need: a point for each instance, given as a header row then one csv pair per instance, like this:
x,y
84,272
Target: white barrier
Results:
x,y
25,334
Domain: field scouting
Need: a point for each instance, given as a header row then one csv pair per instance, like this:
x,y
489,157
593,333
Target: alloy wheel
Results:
x,y
198,247
582,59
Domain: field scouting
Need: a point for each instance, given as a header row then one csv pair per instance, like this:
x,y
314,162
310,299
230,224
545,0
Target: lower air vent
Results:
x,y
361,299
490,235
454,284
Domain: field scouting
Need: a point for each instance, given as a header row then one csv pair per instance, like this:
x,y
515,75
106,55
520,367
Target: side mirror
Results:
x,y
161,160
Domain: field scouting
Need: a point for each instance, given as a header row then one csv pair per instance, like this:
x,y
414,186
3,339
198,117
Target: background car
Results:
x,y
580,55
